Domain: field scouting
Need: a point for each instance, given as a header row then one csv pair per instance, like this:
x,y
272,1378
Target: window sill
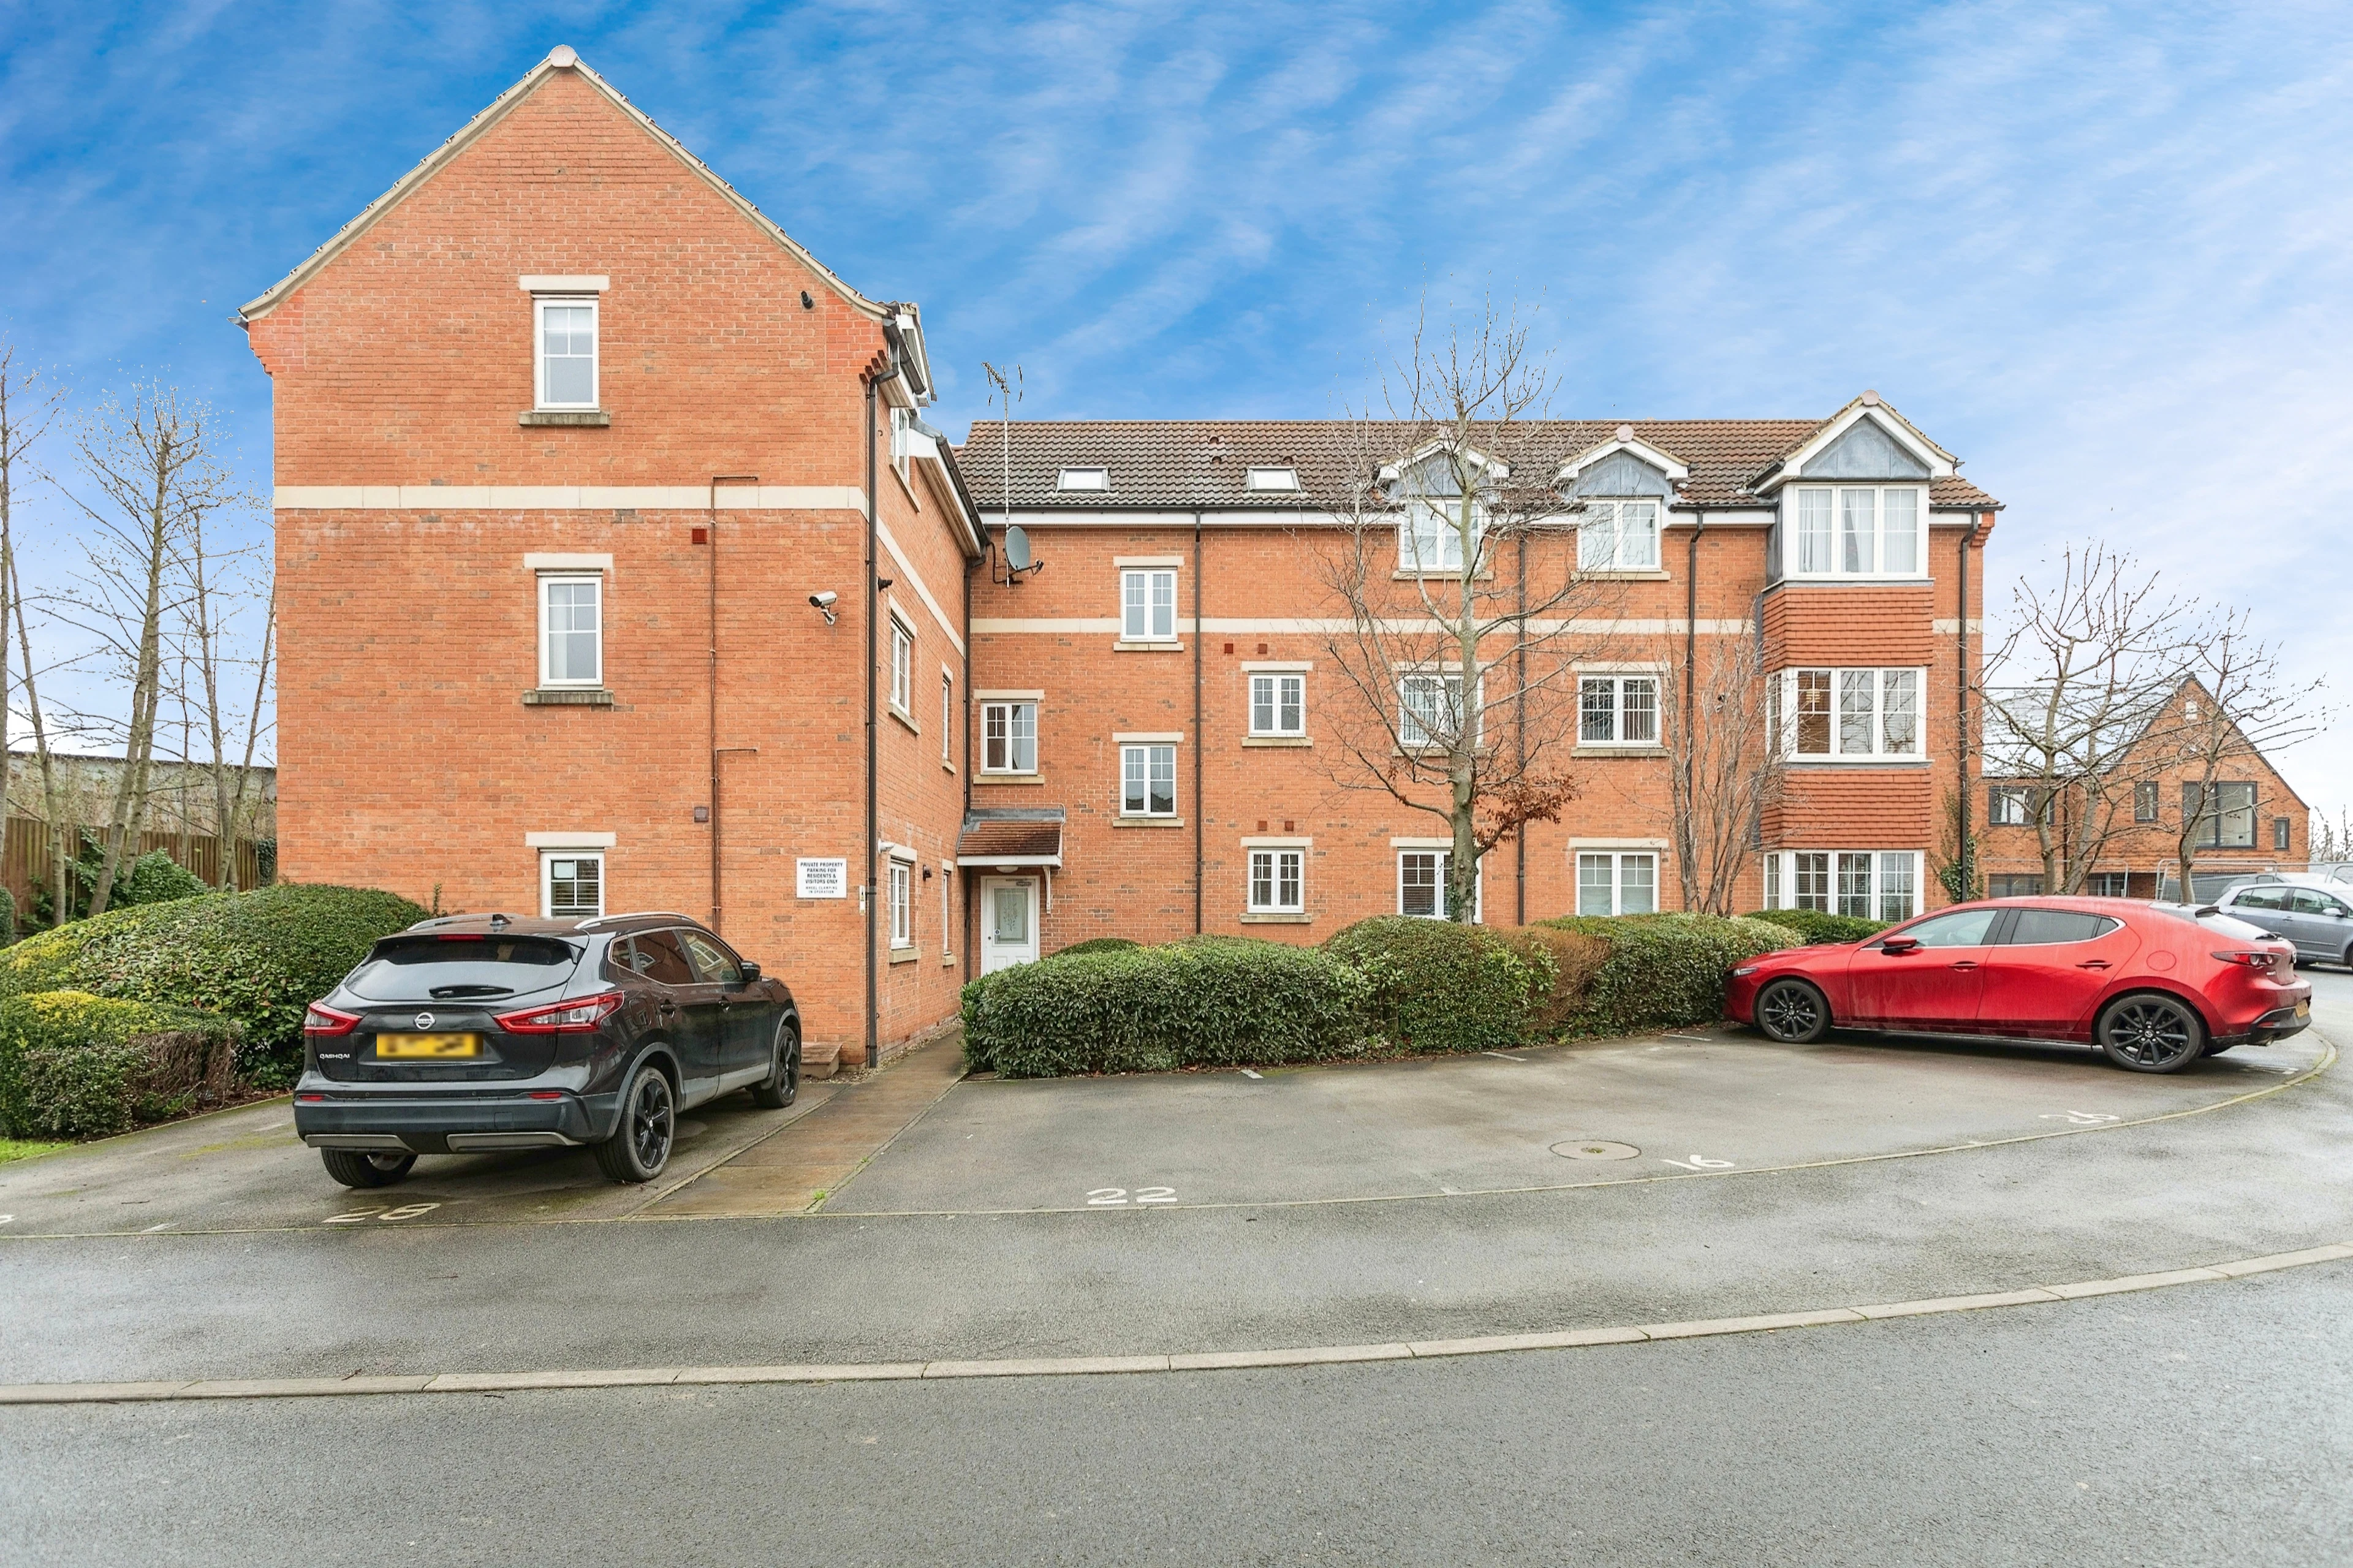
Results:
x,y
1855,762
1147,822
905,954
568,697
1443,574
901,714
1008,778
1623,575
597,418
1276,918
1147,648
947,767
1859,580
1638,749
947,960
1277,740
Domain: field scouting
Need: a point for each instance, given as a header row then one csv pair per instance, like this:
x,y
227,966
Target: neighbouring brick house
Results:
x,y
569,436
2258,822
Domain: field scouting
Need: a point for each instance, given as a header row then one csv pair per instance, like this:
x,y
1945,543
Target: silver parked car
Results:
x,y
2318,920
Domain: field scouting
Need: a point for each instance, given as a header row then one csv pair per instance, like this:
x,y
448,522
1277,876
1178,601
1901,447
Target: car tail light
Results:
x,y
2253,958
322,1019
562,1017
544,1094
312,1098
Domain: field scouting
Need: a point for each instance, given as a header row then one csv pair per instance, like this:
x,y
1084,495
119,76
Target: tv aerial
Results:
x,y
1017,555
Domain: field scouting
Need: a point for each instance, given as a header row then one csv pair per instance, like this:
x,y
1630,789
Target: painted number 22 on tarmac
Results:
x,y
1120,1197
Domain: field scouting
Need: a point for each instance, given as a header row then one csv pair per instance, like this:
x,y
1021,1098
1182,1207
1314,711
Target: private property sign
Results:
x,y
824,878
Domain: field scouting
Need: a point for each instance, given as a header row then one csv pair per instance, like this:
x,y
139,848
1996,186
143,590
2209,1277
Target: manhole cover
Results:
x,y
1594,1149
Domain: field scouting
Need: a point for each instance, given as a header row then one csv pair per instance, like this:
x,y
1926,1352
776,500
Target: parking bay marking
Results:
x,y
2080,1118
1119,1197
1700,1162
405,1211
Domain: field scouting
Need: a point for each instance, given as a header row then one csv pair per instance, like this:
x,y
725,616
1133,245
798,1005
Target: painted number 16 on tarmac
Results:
x,y
1120,1198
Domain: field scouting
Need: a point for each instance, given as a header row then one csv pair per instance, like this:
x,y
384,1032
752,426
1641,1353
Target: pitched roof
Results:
x,y
1018,836
561,58
1185,463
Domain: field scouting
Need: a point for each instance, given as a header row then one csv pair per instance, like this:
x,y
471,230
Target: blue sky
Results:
x,y
2100,252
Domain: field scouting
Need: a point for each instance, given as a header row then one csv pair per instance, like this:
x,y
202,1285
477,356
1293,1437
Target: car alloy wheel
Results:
x,y
1792,1012
366,1167
640,1147
2151,1034
784,1084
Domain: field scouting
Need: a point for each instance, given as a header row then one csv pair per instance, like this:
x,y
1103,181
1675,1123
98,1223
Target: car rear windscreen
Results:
x,y
456,968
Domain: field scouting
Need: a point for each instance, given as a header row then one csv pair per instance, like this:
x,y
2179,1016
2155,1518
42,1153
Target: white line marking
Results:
x,y
1502,1058
1246,1073
153,1228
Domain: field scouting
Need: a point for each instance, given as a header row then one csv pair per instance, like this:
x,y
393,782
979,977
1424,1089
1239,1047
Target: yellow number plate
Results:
x,y
429,1046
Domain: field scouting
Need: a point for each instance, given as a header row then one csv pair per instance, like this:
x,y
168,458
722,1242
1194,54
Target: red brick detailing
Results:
x,y
1850,626
1853,808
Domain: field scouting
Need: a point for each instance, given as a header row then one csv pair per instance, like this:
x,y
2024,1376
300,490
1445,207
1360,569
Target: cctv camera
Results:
x,y
824,601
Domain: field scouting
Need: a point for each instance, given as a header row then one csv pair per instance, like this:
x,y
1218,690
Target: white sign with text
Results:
x,y
824,878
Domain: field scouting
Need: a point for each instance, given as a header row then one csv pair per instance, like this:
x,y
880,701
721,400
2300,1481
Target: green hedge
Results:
x,y
1818,925
77,1065
259,958
1097,944
1211,1001
1438,986
1663,969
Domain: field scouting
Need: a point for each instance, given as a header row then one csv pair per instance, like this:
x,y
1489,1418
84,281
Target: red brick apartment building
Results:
x,y
581,610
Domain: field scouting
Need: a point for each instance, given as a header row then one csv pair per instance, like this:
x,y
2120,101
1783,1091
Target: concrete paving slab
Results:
x,y
1693,1104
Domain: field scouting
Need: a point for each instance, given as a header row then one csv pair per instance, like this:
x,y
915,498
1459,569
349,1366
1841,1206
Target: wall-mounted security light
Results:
x,y
823,604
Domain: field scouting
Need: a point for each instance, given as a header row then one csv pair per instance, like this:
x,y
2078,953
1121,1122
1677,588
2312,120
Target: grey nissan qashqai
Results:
x,y
474,1032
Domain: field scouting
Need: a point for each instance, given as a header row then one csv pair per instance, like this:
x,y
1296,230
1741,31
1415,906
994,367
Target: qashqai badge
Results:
x,y
425,1020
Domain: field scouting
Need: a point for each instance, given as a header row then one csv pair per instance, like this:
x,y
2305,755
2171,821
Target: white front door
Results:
x,y
1008,921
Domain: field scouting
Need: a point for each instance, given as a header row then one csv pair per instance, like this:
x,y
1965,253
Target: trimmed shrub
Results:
x,y
1097,944
1576,957
1819,926
1663,969
77,1065
1438,986
259,958
1214,1000
154,878
7,917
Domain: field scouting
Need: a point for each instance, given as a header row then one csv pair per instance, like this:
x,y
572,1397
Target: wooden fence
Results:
x,y
25,858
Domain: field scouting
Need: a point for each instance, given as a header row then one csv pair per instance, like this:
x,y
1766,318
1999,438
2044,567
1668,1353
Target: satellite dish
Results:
x,y
1017,549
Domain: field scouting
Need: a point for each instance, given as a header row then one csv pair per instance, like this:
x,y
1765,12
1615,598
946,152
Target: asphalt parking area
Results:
x,y
1685,1104
915,1140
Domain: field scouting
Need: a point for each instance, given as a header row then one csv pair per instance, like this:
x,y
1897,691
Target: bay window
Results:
x,y
1856,531
1872,884
1431,538
1847,713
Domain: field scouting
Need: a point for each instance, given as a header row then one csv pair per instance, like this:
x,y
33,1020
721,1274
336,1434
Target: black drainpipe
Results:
x,y
1200,742
1961,715
1519,744
1691,667
874,805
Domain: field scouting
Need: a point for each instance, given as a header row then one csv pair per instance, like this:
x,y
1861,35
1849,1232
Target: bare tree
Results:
x,y
216,588
2088,668
29,404
2234,704
1723,768
1454,617
153,475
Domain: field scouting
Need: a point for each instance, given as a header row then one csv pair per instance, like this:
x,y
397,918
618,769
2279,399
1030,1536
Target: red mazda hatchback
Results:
x,y
2155,986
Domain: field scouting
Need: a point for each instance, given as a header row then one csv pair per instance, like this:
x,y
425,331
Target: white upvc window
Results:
x,y
1617,883
1277,881
1008,736
947,719
571,629
1619,536
902,884
1147,780
567,333
1873,884
902,668
1848,714
903,421
1430,710
1422,884
1147,604
1856,531
1431,538
1618,710
1278,704
572,884
2009,805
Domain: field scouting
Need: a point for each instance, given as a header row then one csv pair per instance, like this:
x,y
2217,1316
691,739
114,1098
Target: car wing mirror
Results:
x,y
1900,944
751,971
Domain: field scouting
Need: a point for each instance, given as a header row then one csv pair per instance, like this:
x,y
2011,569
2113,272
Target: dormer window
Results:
x,y
1083,480
1284,479
1619,536
1855,531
